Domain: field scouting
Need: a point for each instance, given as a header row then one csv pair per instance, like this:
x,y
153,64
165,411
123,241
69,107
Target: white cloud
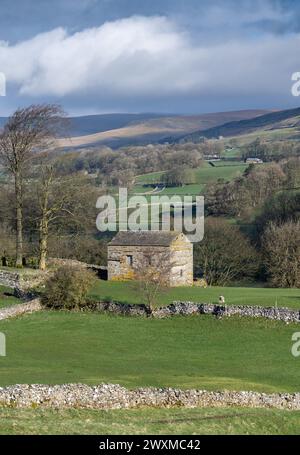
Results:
x,y
142,56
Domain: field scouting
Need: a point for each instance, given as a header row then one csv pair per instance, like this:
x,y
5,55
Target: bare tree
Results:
x,y
61,200
27,131
152,276
178,176
225,254
281,246
46,211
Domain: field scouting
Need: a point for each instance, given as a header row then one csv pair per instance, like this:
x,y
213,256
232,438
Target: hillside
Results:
x,y
118,130
91,124
279,120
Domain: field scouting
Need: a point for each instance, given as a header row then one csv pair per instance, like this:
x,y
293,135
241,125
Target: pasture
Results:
x,y
180,421
127,292
185,352
205,174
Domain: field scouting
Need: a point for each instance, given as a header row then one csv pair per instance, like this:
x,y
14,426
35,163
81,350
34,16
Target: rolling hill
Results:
x,y
91,124
272,121
117,130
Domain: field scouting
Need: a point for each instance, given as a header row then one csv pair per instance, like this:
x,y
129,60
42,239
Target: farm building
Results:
x,y
170,251
254,161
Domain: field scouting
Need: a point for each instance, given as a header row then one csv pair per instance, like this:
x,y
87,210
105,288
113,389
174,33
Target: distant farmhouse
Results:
x,y
170,250
254,161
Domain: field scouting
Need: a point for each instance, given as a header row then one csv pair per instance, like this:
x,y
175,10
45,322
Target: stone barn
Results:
x,y
169,250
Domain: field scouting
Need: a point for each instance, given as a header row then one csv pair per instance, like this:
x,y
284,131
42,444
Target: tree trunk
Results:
x,y
44,221
19,219
43,243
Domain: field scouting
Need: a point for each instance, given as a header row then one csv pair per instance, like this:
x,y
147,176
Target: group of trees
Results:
x,y
37,198
28,130
263,243
281,252
120,166
270,150
243,195
225,254
178,176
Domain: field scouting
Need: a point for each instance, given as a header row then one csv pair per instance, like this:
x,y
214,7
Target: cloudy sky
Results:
x,y
171,56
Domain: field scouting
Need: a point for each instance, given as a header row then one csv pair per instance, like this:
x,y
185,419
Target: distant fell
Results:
x,y
116,130
288,118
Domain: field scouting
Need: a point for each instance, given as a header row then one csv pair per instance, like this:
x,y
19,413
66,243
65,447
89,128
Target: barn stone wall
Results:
x,y
118,268
179,253
182,262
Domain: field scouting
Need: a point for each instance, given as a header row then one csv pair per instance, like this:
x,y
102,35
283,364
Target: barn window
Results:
x,y
129,260
181,272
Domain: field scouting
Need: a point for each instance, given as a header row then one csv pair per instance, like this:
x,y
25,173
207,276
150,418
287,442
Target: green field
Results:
x,y
192,189
276,134
227,171
151,177
203,175
186,352
234,152
127,292
149,421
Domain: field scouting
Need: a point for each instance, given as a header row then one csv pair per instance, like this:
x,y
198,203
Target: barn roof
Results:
x,y
144,238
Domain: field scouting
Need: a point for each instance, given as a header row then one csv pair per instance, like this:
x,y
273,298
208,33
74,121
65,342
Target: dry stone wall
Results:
x,y
286,315
9,279
19,309
113,396
281,314
23,282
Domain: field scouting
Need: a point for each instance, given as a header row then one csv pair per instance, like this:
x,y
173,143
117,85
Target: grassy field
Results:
x,y
149,421
192,189
233,152
186,352
208,173
203,175
265,134
7,300
127,292
151,177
